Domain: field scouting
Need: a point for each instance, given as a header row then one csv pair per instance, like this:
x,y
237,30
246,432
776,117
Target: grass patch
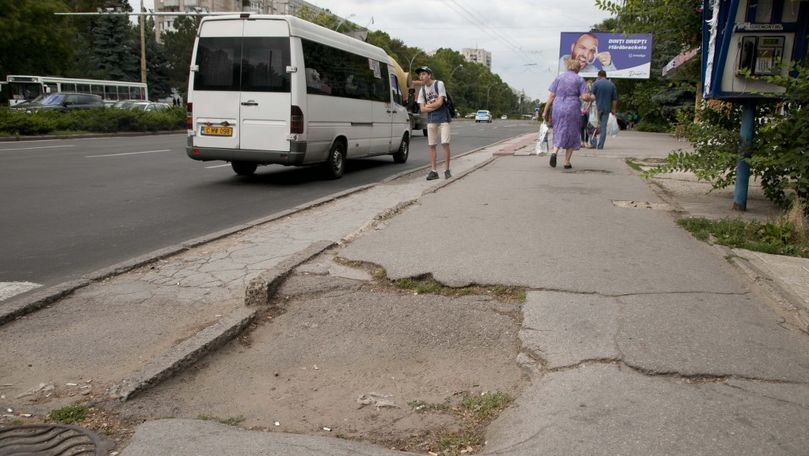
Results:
x,y
69,414
425,407
232,421
457,443
778,238
473,412
633,164
486,405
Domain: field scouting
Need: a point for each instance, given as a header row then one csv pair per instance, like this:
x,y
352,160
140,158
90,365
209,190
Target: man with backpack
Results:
x,y
432,100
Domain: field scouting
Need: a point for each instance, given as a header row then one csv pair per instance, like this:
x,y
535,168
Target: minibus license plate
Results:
x,y
217,131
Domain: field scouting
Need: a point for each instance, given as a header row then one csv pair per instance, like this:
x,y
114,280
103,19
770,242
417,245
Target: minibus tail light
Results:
x,y
189,118
296,121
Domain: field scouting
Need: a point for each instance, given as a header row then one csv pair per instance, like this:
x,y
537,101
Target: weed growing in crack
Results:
x,y
231,421
486,405
69,414
424,407
474,412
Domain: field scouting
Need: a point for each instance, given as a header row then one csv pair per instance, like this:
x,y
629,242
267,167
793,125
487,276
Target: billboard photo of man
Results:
x,y
585,50
623,56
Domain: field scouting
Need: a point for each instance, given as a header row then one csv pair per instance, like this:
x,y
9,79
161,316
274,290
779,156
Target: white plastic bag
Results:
x,y
612,126
592,118
542,140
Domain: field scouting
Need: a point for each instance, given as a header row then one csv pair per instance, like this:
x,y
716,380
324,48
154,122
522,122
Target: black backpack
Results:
x,y
448,103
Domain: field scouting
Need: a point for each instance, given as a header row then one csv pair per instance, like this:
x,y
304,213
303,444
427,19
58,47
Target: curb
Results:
x,y
184,354
261,289
259,293
786,303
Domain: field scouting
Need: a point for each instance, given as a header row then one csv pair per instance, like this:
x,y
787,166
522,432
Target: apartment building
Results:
x,y
478,55
165,23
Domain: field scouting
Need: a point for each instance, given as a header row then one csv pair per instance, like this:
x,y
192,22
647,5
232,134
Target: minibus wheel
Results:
x,y
336,164
400,156
243,168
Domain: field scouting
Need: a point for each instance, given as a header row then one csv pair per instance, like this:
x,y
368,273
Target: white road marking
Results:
x,y
32,148
217,166
10,289
129,153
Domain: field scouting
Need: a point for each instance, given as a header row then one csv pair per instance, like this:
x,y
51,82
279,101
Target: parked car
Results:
x,y
124,104
65,101
503,117
483,116
149,106
471,115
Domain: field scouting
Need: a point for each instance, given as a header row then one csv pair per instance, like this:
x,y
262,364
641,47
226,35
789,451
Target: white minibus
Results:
x,y
266,89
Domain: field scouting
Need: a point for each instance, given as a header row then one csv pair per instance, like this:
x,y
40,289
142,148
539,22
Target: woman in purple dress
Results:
x,y
567,92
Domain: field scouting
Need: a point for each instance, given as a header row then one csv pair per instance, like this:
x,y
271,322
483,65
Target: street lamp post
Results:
x,y
410,65
460,65
142,20
487,93
342,21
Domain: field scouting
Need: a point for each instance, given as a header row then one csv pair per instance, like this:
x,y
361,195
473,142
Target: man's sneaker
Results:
x,y
432,175
447,174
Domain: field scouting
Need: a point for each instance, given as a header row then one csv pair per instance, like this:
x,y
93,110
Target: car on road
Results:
x,y
65,101
504,117
483,116
124,104
471,115
149,106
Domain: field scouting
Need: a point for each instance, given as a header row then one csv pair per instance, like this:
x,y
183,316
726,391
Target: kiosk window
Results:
x,y
791,9
763,12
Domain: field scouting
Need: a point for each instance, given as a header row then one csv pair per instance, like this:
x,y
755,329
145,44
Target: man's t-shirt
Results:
x,y
605,93
432,92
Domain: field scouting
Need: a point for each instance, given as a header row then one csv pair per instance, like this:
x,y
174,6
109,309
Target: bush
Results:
x,y
93,120
779,154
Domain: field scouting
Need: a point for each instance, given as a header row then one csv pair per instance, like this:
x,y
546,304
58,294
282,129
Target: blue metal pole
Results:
x,y
742,165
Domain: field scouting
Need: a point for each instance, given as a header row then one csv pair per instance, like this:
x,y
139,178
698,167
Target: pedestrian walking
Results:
x,y
585,117
606,97
563,109
431,100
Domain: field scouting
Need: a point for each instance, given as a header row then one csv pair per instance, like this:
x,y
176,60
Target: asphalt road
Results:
x,y
70,207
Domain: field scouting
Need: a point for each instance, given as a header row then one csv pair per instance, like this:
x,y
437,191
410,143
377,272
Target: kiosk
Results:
x,y
742,41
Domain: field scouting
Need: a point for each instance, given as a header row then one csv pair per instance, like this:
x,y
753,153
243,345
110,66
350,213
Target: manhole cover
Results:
x,y
50,440
642,205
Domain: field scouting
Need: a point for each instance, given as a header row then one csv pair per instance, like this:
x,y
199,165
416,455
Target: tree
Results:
x,y
178,45
116,46
157,68
32,39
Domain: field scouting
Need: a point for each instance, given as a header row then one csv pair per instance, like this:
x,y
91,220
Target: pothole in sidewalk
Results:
x,y
642,205
359,359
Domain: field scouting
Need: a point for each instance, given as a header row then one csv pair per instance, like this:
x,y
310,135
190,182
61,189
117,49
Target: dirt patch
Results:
x,y
359,359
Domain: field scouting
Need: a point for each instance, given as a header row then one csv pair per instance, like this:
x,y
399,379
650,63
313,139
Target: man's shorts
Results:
x,y
432,133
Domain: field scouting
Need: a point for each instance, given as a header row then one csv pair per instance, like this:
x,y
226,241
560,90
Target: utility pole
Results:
x,y
142,20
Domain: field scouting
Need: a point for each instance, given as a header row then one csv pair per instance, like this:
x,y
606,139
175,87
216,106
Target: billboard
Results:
x,y
621,56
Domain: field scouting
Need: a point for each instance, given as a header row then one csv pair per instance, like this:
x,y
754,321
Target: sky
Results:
x,y
523,36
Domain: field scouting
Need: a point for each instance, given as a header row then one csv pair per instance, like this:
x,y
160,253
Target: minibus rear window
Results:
x,y
252,64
